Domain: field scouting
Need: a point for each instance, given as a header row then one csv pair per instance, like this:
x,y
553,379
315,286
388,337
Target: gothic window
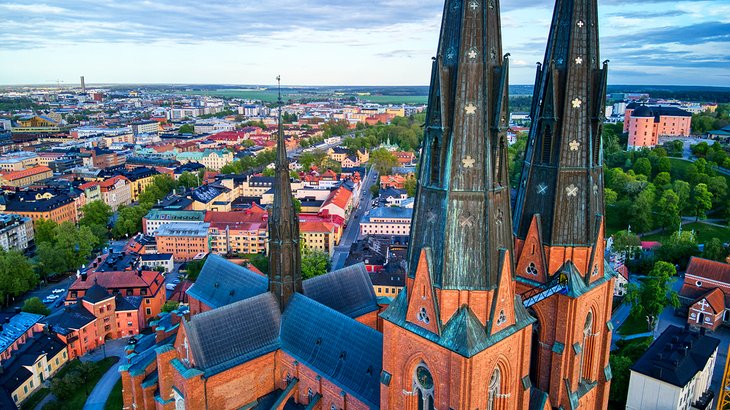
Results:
x,y
547,143
423,387
531,269
435,160
179,400
494,383
595,271
310,395
502,318
587,348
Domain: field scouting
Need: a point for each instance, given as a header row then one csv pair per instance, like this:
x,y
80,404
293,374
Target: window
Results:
x,y
502,318
531,269
584,363
148,310
493,391
698,283
423,386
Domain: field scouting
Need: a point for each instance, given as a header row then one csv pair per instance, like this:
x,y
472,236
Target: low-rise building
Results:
x,y
15,161
25,177
157,217
145,127
116,191
212,159
16,232
139,178
42,204
705,293
675,372
15,330
387,221
37,361
320,236
184,240
154,261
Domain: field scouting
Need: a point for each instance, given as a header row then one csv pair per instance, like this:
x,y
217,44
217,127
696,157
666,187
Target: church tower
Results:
x,y
559,215
284,254
457,336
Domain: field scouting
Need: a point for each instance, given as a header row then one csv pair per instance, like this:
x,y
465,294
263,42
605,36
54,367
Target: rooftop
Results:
x,y
15,326
184,229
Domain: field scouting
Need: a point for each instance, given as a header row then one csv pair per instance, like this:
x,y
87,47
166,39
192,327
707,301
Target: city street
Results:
x,y
352,231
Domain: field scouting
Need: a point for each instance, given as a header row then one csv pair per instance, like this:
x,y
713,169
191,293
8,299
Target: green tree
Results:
x,y
169,306
96,218
383,161
715,250
34,305
129,221
662,179
186,129
188,180
335,128
410,186
609,196
641,210
627,243
678,249
16,275
620,366
650,298
683,190
44,230
643,166
664,165
314,263
718,188
193,269
701,201
375,189
668,211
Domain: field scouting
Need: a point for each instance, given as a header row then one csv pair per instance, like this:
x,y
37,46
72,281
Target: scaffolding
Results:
x,y
723,401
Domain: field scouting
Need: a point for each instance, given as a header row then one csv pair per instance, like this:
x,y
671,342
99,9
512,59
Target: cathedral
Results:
x,y
506,306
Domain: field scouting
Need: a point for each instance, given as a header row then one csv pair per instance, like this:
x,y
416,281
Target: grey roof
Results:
x,y
96,293
69,319
222,282
347,290
17,326
676,356
233,334
340,349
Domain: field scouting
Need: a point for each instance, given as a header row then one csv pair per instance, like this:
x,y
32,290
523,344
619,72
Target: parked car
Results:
x,y
59,290
170,286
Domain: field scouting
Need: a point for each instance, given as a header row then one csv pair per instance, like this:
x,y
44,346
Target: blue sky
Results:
x,y
335,42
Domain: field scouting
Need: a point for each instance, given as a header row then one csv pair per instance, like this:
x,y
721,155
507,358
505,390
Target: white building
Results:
x,y
387,221
155,260
674,373
15,232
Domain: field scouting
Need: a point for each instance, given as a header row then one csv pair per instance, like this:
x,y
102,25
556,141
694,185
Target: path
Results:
x,y
352,231
99,395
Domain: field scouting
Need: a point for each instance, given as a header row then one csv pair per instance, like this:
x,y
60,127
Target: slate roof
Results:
x,y
676,356
14,372
96,293
235,333
656,112
69,319
347,290
340,349
222,282
15,327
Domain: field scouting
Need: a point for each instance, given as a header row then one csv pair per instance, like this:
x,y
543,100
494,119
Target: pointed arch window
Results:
x,y
423,387
586,354
493,392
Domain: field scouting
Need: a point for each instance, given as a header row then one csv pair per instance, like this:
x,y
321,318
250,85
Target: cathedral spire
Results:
x,y
284,254
562,177
462,206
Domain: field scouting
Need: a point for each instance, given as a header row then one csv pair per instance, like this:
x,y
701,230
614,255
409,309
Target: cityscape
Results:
x,y
492,235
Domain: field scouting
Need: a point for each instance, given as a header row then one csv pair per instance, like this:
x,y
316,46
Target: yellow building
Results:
x,y
320,236
25,177
398,112
139,179
37,124
16,161
41,357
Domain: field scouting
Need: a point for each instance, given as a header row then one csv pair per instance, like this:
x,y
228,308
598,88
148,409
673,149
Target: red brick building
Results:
x,y
705,293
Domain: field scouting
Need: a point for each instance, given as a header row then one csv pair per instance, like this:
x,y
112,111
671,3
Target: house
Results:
x,y
705,293
16,330
392,196
621,283
116,191
675,372
396,181
387,221
320,236
337,206
645,124
164,261
16,232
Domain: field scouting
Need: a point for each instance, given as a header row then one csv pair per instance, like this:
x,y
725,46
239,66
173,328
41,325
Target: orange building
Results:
x,y
645,124
705,293
42,205
183,240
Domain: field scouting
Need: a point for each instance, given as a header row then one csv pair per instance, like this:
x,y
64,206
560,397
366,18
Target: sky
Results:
x,y
333,42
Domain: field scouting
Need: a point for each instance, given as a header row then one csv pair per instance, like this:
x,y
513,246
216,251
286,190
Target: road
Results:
x,y
352,231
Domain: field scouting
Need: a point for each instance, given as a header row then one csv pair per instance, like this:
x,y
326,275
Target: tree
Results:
x,y
186,129
682,189
16,275
34,305
69,249
129,221
383,161
410,186
626,242
650,298
715,250
641,209
96,218
169,306
188,180
314,263
620,366
643,166
678,249
718,187
701,201
609,196
193,269
44,230
662,179
664,165
668,211
375,190
335,128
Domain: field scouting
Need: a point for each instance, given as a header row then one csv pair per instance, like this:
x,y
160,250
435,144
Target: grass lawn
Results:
x,y
633,326
78,399
36,398
704,233
115,401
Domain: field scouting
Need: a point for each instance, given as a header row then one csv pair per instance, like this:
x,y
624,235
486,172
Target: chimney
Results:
x,y
84,275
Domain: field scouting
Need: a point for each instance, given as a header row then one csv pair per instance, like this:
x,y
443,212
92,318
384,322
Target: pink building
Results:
x,y
646,124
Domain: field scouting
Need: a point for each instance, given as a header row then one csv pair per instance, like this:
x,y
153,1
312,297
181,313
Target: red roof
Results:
x,y
716,299
319,227
340,197
709,269
23,173
120,280
108,183
650,244
88,185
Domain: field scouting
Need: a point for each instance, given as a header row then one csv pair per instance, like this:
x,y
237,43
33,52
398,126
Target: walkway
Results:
x,y
102,390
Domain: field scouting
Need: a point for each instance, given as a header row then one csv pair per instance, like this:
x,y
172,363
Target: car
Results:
x,y
170,286
176,281
52,297
59,290
47,301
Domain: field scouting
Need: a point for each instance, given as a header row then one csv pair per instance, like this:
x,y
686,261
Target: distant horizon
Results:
x,y
382,42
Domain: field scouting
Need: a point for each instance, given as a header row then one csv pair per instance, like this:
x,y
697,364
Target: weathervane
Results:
x,y
278,80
